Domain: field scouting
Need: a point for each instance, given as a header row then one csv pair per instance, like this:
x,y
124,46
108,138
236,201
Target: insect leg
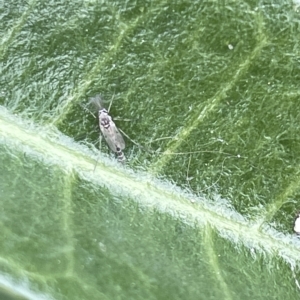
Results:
x,y
86,109
137,144
112,99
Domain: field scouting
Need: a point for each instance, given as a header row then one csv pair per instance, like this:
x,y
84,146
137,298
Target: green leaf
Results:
x,y
204,209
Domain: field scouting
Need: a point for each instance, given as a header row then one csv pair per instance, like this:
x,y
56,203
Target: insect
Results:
x,y
109,130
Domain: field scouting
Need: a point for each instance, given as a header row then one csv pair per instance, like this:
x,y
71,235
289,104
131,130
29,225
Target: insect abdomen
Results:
x,y
121,156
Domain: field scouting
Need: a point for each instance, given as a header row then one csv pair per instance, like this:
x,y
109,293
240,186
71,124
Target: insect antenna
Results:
x,y
87,110
96,102
112,99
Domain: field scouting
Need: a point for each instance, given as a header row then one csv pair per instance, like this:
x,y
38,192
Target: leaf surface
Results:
x,y
204,208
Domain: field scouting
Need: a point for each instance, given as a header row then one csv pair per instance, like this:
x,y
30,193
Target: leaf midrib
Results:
x,y
51,147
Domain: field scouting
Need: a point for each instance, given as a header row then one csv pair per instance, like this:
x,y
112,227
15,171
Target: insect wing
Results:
x,y
119,140
113,137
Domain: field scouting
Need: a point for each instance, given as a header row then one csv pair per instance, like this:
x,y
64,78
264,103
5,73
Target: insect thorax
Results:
x,y
104,118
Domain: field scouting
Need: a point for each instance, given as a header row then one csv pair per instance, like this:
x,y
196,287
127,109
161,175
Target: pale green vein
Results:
x,y
271,209
11,34
125,29
67,221
161,63
17,269
200,113
213,261
54,149
281,199
63,109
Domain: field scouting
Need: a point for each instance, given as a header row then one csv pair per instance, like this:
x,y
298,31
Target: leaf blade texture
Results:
x,y
204,209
